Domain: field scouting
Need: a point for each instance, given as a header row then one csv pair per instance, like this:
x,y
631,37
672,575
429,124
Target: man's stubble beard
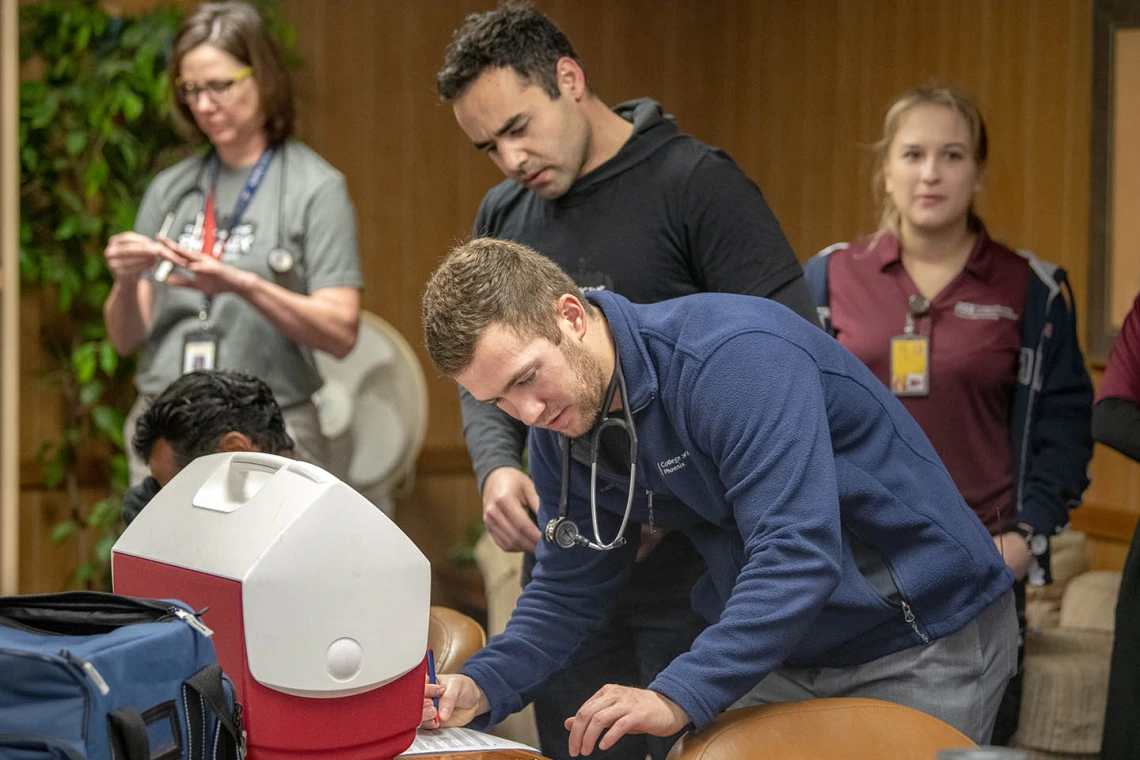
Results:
x,y
590,384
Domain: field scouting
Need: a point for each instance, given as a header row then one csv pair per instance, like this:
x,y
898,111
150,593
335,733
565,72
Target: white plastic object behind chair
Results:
x,y
373,409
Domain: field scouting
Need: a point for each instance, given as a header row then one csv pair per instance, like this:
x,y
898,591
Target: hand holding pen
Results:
x,y
459,700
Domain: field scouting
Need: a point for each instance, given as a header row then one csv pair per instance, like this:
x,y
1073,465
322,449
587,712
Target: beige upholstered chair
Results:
x,y
821,729
453,637
1067,652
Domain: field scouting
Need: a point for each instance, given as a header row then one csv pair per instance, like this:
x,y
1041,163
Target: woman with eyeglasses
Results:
x,y
243,256
978,340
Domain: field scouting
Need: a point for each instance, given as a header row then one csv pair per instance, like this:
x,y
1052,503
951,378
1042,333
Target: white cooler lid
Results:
x,y
335,597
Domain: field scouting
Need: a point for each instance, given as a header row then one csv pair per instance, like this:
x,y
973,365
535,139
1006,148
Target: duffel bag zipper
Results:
x,y
88,670
144,610
192,620
83,601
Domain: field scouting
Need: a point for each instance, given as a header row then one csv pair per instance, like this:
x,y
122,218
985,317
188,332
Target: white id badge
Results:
x,y
199,351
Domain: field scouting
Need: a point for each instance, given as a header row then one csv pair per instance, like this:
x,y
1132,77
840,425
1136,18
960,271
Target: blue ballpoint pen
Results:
x,y
432,679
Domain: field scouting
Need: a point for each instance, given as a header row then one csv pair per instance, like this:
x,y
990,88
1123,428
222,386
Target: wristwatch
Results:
x,y
1038,543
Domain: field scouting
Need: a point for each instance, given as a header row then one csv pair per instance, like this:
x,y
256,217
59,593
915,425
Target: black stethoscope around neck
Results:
x,y
281,260
562,531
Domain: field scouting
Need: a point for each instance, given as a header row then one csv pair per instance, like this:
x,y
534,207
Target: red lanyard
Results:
x,y
210,222
209,229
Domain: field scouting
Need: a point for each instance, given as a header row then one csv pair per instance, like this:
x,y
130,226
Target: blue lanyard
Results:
x,y
256,175
252,182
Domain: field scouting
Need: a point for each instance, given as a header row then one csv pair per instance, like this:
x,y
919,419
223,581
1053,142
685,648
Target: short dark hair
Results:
x,y
514,35
488,281
238,29
199,408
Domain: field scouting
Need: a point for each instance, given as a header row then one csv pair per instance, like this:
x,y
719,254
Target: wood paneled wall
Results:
x,y
793,89
9,300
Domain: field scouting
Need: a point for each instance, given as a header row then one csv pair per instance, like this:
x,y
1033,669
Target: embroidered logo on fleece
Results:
x,y
671,465
987,311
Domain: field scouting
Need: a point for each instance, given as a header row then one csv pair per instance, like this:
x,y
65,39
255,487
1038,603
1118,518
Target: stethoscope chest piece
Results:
x,y
281,261
562,532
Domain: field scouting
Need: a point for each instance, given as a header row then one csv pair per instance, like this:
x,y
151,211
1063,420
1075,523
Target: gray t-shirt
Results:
x,y
317,226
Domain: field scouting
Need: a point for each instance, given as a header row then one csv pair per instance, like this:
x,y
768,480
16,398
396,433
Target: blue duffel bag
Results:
x,y
85,674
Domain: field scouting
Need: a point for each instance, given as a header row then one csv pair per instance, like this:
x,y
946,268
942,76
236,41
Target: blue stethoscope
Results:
x,y
562,531
281,260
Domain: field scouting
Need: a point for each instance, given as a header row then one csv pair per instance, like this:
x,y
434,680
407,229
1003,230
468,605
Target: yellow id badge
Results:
x,y
910,365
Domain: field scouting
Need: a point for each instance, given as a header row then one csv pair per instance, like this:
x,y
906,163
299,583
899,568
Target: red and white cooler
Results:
x,y
318,602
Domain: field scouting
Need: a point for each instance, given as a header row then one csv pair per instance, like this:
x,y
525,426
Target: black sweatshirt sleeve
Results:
x,y
1116,424
796,296
494,438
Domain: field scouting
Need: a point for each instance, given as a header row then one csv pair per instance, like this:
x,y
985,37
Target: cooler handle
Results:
x,y
244,474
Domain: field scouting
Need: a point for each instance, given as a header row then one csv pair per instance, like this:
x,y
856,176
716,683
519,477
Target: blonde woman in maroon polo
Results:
x,y
978,340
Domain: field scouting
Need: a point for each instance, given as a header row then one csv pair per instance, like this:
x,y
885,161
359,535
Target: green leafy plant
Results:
x,y
462,552
94,127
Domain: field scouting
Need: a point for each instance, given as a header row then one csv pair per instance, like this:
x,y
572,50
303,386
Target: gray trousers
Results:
x,y
958,679
301,423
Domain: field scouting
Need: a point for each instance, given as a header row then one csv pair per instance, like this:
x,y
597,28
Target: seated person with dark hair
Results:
x,y
204,412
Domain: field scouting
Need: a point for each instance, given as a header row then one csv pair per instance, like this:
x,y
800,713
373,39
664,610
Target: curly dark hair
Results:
x,y
199,408
515,34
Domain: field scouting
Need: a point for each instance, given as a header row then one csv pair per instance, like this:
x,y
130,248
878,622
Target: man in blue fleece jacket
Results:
x,y
842,559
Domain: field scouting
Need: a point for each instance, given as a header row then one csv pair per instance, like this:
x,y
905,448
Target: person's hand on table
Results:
x,y
622,710
460,701
210,275
129,254
1015,551
509,499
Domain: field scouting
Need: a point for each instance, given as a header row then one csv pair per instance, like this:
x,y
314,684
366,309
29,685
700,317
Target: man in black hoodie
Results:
x,y
623,201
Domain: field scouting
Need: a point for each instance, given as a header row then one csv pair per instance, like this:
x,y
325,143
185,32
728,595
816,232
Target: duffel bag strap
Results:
x,y
207,685
127,731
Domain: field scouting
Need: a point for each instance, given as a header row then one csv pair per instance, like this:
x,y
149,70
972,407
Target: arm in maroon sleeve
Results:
x,y
1116,416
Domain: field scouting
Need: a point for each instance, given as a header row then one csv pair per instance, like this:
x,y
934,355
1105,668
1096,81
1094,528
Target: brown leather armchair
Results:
x,y
821,729
453,637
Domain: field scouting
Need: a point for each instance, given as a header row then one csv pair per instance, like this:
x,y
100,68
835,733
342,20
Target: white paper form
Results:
x,y
439,740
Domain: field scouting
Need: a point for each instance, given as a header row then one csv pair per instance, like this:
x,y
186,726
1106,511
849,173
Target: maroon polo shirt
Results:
x,y
974,328
1122,374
